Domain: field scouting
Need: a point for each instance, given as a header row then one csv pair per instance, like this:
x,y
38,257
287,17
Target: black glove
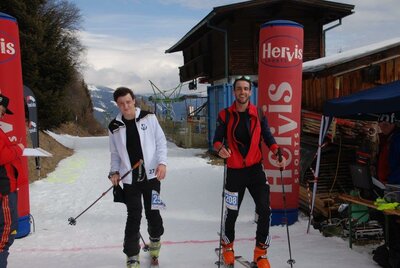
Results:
x,y
118,193
279,155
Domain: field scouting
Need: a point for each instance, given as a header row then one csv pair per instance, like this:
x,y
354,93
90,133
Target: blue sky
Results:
x,y
138,20
126,39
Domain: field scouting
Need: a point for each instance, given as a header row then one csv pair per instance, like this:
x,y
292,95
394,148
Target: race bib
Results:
x,y
232,200
156,202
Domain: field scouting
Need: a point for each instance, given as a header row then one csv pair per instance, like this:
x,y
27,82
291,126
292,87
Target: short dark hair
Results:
x,y
242,78
123,91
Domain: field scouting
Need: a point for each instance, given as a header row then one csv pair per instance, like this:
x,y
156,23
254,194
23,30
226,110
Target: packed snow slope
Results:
x,y
192,192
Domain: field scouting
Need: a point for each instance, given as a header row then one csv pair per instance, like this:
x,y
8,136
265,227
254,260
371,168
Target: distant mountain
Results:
x,y
105,109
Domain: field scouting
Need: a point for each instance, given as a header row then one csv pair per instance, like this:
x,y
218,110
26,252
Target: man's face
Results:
x,y
2,111
242,91
127,106
386,127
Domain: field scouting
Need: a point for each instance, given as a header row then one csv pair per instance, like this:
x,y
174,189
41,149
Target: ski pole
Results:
x,y
72,221
222,212
290,261
145,247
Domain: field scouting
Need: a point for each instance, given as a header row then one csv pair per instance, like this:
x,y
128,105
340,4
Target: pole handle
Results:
x,y
280,157
136,165
72,221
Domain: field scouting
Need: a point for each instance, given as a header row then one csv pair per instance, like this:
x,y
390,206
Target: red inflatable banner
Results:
x,y
14,125
279,97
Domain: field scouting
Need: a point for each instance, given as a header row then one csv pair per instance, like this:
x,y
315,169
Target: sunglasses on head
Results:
x,y
243,77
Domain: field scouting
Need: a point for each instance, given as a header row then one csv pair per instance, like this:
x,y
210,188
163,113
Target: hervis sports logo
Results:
x,y
7,47
281,51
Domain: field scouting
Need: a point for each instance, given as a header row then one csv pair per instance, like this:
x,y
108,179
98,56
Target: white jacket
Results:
x,y
152,140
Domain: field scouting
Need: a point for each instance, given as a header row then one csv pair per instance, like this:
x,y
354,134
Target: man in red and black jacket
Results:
x,y
238,140
10,156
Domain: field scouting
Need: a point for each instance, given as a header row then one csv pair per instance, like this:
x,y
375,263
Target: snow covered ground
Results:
x,y
192,193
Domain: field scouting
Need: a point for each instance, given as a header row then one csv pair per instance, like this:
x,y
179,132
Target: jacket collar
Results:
x,y
119,115
251,109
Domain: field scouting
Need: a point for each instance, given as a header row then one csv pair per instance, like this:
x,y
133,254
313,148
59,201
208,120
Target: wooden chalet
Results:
x,y
225,42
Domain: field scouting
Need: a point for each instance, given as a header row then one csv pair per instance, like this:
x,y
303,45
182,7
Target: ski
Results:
x,y
239,259
154,263
245,262
153,260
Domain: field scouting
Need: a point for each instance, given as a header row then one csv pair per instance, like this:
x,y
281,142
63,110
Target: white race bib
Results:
x,y
231,200
156,202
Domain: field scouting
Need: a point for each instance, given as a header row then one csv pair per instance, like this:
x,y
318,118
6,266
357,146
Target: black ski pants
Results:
x,y
253,178
133,198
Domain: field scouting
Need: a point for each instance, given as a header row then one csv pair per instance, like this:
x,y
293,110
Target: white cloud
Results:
x,y
117,62
138,56
133,49
373,21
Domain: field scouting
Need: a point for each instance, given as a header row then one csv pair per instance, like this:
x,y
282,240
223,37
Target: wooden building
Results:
x,y
225,42
348,72
332,77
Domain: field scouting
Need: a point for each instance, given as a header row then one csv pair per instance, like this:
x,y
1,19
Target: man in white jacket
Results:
x,y
135,136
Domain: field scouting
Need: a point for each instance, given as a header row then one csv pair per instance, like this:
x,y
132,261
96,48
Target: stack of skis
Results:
x,y
350,131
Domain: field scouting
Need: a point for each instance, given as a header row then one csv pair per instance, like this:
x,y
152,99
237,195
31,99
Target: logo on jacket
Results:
x,y
143,126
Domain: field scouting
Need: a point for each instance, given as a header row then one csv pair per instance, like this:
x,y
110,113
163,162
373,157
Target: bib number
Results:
x,y
156,202
232,200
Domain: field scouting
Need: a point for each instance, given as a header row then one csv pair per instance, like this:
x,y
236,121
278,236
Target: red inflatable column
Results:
x,y
14,125
279,97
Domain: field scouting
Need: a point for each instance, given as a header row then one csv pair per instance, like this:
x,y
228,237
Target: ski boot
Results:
x,y
228,255
154,249
133,262
260,256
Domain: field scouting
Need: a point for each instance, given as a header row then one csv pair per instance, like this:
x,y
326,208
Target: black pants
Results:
x,y
253,178
133,198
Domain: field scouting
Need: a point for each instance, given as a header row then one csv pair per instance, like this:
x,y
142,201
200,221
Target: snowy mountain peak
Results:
x,y
105,109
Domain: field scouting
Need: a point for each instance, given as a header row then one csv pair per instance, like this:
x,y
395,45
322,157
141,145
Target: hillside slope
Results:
x,y
59,151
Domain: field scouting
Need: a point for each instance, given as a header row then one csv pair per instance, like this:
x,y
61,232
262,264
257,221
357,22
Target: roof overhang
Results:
x,y
333,11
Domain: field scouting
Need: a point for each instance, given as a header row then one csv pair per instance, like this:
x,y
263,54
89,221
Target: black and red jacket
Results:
x,y
256,128
10,156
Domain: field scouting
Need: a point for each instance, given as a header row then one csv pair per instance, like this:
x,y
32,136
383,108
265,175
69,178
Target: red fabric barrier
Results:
x,y
279,96
11,85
